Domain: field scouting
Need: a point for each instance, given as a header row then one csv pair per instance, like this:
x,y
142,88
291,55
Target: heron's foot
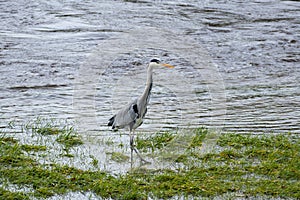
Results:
x,y
143,161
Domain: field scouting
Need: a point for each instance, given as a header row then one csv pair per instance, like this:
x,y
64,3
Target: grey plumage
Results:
x,y
126,117
131,116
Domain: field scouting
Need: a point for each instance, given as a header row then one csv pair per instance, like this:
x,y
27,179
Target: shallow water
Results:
x,y
237,63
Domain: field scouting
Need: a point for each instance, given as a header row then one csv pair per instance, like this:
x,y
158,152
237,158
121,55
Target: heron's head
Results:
x,y
156,63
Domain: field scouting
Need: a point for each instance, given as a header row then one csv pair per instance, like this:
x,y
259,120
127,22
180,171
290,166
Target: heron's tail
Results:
x,y
111,121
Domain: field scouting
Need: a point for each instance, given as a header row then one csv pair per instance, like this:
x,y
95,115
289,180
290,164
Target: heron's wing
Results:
x,y
125,117
142,107
139,120
142,110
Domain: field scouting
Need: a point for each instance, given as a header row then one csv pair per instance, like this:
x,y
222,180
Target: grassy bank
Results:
x,y
240,166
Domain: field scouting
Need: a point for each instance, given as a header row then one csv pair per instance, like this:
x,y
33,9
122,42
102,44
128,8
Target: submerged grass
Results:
x,y
69,138
250,165
118,157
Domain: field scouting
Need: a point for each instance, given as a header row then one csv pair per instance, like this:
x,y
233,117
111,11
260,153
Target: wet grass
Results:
x,y
243,165
69,138
118,157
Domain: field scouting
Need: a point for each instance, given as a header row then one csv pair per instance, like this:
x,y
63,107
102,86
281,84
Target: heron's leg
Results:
x,y
141,158
133,148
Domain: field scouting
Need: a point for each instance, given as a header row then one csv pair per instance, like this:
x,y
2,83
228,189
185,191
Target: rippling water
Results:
x,y
237,63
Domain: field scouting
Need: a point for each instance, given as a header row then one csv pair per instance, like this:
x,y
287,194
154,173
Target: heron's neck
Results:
x,y
149,76
148,87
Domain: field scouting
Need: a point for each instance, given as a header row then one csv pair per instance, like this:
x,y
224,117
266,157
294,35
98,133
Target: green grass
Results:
x,y
247,165
118,157
66,134
154,142
69,138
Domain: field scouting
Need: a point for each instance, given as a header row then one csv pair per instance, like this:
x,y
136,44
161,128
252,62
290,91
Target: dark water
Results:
x,y
237,62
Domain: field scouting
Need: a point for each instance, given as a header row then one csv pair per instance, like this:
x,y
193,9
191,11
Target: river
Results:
x,y
236,62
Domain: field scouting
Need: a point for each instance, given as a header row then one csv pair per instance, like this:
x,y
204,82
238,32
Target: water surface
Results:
x,y
236,70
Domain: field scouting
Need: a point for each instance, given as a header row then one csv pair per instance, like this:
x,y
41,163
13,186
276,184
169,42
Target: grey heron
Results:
x,y
131,116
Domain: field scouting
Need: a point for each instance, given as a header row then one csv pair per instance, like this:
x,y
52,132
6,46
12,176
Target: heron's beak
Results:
x,y
167,65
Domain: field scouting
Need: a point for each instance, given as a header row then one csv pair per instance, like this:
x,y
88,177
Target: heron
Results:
x,y
131,116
